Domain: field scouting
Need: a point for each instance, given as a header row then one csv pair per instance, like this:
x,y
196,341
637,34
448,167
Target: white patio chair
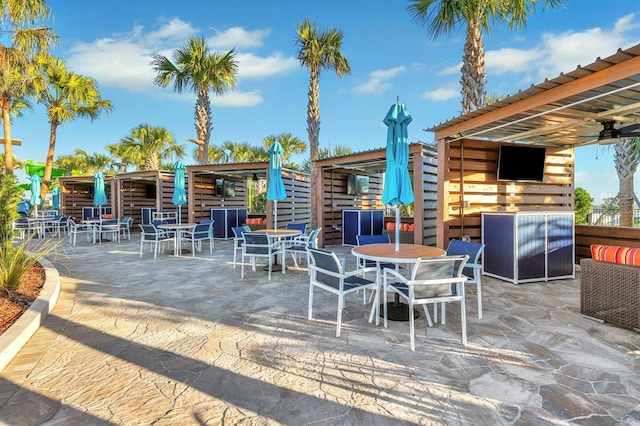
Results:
x,y
109,228
155,238
199,233
433,280
125,227
76,229
258,244
327,273
472,270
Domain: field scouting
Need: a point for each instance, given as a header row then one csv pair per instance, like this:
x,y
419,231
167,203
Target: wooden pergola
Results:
x,y
560,114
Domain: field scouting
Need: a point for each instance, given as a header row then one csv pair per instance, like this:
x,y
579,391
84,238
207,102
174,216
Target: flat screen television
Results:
x,y
521,163
357,185
150,192
225,188
219,188
229,189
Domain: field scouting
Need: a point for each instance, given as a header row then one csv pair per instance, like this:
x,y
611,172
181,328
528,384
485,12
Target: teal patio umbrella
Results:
x,y
99,197
36,198
275,187
397,183
179,197
55,198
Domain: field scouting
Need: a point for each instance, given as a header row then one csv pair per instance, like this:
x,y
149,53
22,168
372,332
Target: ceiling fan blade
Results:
x,y
632,130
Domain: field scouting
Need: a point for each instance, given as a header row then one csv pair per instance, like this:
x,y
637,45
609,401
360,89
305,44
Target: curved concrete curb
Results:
x,y
21,331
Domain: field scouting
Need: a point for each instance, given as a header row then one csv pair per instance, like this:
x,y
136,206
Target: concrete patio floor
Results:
x,y
181,341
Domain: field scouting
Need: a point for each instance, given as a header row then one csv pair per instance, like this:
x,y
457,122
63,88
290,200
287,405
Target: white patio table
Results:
x,y
386,253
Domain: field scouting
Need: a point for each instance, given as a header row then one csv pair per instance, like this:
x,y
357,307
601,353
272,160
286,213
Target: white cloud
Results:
x,y
451,70
239,38
238,99
123,60
378,81
116,63
251,66
442,94
562,52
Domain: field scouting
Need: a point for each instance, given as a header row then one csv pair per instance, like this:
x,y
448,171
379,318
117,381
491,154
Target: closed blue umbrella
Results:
x,y
275,188
397,183
36,198
179,197
99,197
55,198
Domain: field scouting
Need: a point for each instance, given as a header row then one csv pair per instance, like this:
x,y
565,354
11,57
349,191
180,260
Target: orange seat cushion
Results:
x,y
616,254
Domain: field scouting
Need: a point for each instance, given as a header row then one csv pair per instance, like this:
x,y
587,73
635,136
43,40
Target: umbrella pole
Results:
x,y
179,214
397,227
275,214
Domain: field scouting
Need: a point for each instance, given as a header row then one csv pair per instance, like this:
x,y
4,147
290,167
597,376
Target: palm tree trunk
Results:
x,y
473,75
313,130
202,117
8,148
626,160
48,167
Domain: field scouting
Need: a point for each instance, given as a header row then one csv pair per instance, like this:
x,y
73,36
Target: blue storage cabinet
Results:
x,y
225,219
88,212
361,222
147,215
528,246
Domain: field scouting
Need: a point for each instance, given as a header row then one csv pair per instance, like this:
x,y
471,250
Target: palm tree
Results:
x,y
290,145
444,16
216,155
244,152
66,96
121,156
147,145
29,40
193,65
82,163
338,151
626,158
318,51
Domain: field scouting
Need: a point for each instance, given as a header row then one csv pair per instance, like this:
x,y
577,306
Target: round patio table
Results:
x,y
386,253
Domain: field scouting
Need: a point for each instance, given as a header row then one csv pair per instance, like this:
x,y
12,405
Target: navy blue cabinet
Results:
x,y
361,222
225,219
147,214
89,212
528,246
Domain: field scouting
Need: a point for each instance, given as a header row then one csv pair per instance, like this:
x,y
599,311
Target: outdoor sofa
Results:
x,y
610,285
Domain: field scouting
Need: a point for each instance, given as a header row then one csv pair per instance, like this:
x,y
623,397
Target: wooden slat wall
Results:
x,y
132,189
204,195
76,193
334,184
429,165
471,186
609,235
295,208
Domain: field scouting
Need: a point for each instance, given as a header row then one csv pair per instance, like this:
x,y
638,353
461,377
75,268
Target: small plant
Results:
x,y
14,263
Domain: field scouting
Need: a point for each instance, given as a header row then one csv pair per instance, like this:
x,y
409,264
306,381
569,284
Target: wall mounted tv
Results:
x,y
150,191
521,163
225,188
357,185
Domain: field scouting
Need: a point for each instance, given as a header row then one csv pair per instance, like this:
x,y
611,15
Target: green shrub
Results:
x,y
9,198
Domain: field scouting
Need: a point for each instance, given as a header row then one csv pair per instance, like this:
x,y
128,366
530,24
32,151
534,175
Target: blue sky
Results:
x,y
390,56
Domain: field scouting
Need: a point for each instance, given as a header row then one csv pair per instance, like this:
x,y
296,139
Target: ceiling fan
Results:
x,y
610,135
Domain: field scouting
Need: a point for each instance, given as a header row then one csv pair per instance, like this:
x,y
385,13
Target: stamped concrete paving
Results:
x,y
185,341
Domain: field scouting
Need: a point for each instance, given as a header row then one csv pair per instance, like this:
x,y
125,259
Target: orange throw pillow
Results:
x,y
616,254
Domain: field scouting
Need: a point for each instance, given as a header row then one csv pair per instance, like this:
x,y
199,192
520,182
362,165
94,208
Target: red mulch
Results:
x,y
28,290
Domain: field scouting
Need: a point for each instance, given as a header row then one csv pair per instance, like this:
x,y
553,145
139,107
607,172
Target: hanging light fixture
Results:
x,y
608,135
